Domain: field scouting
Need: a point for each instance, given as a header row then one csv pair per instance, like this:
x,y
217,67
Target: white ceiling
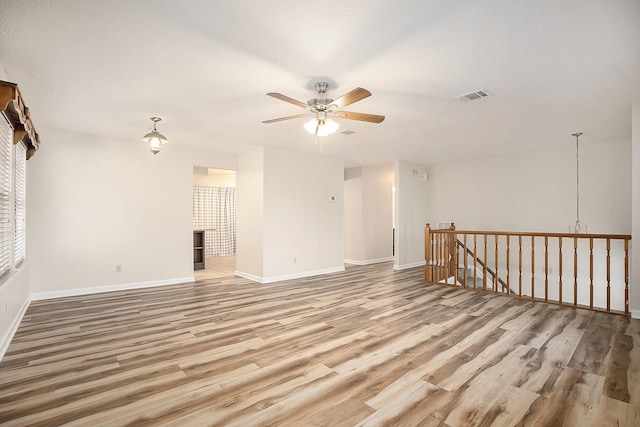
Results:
x,y
552,67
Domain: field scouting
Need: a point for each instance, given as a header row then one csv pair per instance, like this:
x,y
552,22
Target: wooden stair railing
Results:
x,y
580,270
489,270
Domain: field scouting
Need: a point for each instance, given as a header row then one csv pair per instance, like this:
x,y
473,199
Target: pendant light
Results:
x,y
154,138
579,227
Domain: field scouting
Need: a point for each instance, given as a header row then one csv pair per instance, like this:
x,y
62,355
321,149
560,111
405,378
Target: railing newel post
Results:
x,y
428,269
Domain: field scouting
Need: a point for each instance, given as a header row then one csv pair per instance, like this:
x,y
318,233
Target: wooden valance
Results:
x,y
12,104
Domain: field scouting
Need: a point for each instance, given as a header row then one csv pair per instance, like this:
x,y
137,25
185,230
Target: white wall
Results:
x,y
14,291
368,214
226,179
412,213
249,214
14,300
353,211
536,191
287,226
634,300
95,202
300,220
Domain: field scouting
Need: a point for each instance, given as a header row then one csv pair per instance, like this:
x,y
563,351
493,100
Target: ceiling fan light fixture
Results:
x,y
321,127
154,138
330,126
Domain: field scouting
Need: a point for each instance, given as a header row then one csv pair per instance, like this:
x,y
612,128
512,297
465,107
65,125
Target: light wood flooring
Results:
x,y
216,267
370,346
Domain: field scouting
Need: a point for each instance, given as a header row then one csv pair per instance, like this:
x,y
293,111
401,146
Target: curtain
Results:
x,y
214,211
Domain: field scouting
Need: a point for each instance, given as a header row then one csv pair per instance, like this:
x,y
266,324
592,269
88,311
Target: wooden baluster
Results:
x,y
452,264
484,264
508,270
575,271
443,242
496,278
466,260
546,268
475,261
533,267
626,276
438,256
445,260
560,270
428,270
436,245
608,274
520,266
591,272
455,259
434,257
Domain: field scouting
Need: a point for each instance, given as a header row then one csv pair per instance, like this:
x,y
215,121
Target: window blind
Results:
x,y
6,139
19,202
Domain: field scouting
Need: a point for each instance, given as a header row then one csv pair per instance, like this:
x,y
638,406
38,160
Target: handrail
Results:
x,y
581,270
537,234
489,270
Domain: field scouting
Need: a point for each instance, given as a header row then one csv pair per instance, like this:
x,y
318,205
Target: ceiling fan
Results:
x,y
322,109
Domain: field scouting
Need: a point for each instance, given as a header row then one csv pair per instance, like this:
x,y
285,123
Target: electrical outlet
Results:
x,y
295,260
118,268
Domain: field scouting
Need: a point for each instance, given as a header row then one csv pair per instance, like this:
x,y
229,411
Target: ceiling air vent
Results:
x,y
347,132
473,96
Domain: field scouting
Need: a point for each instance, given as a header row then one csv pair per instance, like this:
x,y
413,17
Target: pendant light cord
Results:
x,y
577,183
578,226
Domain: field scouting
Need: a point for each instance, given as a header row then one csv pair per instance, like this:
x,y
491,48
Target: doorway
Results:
x,y
214,213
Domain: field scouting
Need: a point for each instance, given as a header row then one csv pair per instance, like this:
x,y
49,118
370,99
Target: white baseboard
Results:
x,y
8,336
635,314
249,276
36,296
411,265
271,279
367,261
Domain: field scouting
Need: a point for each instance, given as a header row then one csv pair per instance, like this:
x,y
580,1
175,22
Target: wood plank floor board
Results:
x,y
367,346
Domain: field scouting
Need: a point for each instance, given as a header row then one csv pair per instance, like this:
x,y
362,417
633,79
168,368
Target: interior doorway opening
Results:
x,y
214,218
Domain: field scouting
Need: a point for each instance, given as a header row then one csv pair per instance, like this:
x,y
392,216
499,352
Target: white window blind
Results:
x,y
6,143
19,202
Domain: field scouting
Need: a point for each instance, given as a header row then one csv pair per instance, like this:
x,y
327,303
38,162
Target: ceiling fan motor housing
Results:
x,y
319,104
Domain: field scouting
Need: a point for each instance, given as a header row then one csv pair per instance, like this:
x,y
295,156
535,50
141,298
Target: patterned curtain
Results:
x,y
214,211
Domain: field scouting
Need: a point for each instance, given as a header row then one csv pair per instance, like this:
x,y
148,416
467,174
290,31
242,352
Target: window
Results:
x,y
18,142
13,167
19,193
6,139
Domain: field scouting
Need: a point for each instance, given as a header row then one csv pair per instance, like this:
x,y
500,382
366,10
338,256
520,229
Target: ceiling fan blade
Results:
x,y
349,98
279,119
287,99
363,117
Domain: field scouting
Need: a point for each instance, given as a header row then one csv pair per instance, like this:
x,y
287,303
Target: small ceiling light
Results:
x,y
154,138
